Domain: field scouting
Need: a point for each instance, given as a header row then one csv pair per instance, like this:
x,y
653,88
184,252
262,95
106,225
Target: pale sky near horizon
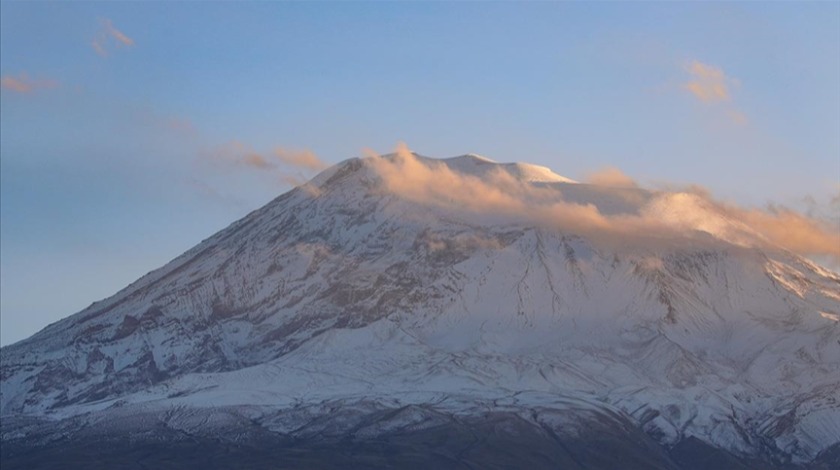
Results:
x,y
129,132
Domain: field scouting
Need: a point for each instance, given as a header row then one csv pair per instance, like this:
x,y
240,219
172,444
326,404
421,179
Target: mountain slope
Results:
x,y
358,293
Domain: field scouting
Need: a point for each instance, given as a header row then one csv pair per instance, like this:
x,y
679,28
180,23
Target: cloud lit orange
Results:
x,y
23,84
109,36
708,83
305,159
610,176
660,218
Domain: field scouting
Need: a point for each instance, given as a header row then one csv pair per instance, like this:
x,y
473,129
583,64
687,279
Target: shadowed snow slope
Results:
x,y
368,290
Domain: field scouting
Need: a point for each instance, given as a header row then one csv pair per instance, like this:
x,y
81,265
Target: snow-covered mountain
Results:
x,y
363,305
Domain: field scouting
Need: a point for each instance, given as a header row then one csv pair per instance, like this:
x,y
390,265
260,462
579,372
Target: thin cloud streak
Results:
x,y
23,84
109,37
240,154
99,48
304,159
255,160
278,164
117,34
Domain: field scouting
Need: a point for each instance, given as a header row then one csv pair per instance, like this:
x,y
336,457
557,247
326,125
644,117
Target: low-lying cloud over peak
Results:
x,y
610,176
650,218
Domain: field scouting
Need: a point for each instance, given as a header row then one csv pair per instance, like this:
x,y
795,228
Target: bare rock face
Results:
x,y
348,311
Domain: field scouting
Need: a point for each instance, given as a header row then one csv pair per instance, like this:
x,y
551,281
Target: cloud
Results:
x,y
304,159
660,219
108,38
792,230
737,117
23,84
496,194
117,34
610,176
708,83
255,160
276,164
99,48
240,154
180,125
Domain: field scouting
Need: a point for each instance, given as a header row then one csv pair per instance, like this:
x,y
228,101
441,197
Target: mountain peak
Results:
x,y
471,156
458,285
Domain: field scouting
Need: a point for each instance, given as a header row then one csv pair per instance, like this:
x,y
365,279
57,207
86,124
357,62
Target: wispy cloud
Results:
x,y
23,84
99,48
238,153
792,230
117,34
180,125
108,38
280,167
304,159
709,84
255,160
289,167
737,117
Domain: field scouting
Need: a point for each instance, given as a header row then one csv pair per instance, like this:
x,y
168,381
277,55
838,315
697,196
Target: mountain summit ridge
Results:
x,y
459,286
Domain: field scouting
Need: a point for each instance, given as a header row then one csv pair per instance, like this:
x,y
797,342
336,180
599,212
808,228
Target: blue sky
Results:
x,y
124,127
